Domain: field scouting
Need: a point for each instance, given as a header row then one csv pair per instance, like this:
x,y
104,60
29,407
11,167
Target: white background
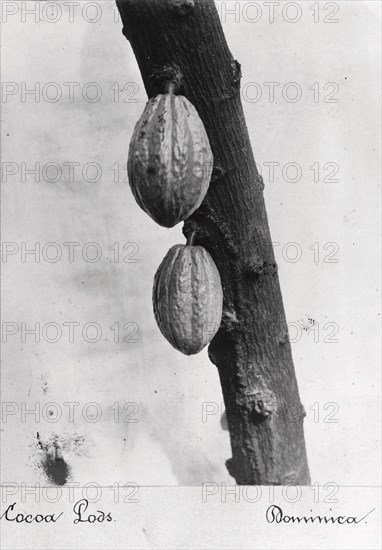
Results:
x,y
172,444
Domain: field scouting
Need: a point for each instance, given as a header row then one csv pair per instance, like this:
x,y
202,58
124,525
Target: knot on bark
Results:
x,y
236,72
161,77
259,401
260,182
230,465
229,319
226,233
212,357
224,421
255,267
182,7
294,411
283,335
218,173
126,33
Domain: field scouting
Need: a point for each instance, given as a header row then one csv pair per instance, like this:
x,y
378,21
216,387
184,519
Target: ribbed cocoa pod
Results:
x,y
188,298
170,160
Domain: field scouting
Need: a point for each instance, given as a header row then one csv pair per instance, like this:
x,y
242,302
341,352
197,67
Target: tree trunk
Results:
x,y
182,40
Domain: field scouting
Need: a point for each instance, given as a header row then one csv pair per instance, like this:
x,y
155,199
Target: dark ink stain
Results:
x,y
44,383
307,323
54,466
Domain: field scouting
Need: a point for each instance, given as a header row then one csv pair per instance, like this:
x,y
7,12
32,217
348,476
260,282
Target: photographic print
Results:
x,y
190,261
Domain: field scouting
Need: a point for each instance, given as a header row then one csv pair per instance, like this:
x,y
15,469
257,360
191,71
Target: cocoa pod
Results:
x,y
188,298
170,160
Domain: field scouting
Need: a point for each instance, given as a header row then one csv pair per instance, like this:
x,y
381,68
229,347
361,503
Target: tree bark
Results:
x,y
183,41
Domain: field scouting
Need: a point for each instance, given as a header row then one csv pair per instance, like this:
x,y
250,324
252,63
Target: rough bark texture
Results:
x,y
182,40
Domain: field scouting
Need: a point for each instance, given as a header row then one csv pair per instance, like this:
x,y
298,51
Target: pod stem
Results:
x,y
169,87
191,238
